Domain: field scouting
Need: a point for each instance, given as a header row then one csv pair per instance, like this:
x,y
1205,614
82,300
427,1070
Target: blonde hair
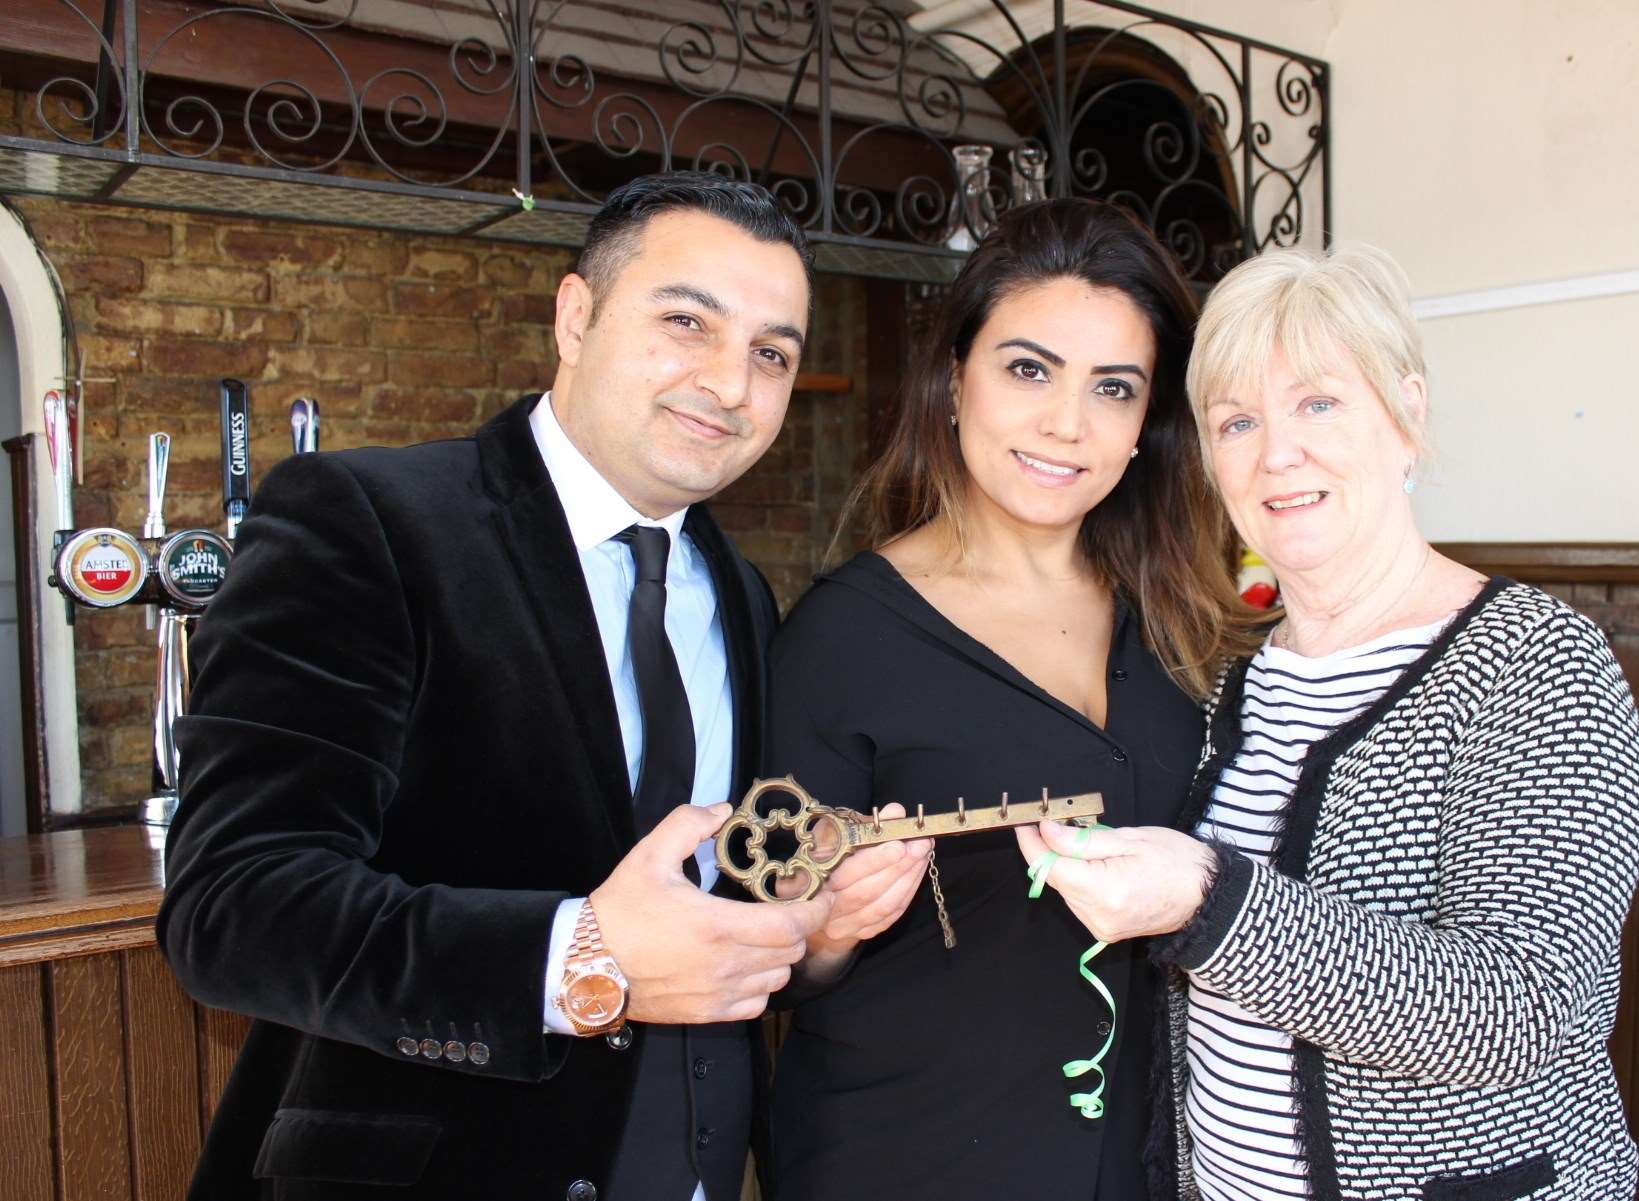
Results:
x,y
1351,300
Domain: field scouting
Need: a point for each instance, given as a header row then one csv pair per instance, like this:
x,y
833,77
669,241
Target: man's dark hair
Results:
x,y
612,238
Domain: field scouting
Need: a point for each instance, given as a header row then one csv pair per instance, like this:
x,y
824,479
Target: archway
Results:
x,y
34,312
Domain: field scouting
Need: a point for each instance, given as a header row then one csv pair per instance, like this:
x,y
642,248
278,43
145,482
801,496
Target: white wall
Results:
x,y
1488,143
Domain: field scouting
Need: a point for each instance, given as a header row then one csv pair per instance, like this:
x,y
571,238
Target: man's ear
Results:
x,y
573,318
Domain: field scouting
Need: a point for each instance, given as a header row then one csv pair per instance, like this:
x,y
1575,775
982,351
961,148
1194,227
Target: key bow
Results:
x,y
803,823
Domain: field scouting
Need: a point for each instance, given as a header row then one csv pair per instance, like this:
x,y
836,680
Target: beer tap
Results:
x,y
304,425
153,525
171,675
235,454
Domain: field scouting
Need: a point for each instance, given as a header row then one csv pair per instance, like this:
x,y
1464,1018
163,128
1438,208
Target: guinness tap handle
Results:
x,y
235,453
159,462
304,425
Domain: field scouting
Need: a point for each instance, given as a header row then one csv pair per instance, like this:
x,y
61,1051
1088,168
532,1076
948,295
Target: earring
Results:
x,y
1134,453
953,421
1409,484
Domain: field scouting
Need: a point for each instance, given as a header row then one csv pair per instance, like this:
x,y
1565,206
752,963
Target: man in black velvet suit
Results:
x,y
423,707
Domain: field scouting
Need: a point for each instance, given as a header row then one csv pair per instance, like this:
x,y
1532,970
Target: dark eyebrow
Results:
x,y
1122,369
690,294
786,331
1033,348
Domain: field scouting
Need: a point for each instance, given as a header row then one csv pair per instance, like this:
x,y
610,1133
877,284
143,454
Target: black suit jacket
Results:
x,y
403,753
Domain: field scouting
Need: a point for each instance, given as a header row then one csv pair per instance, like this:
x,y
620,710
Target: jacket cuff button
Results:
x,y
619,1039
455,1052
479,1054
432,1048
581,1190
408,1046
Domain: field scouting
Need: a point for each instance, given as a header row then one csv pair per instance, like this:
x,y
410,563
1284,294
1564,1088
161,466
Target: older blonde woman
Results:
x,y
1414,833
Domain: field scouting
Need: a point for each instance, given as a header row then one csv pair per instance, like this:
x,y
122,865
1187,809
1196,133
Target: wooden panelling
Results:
x,y
1550,562
94,1153
25,1087
164,1076
220,1036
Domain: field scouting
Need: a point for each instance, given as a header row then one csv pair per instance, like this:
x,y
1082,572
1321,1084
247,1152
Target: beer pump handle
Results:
x,y
159,462
235,453
61,449
170,692
304,425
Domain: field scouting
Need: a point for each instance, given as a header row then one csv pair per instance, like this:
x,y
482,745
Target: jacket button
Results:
x,y
1102,1029
432,1048
703,1139
1118,675
455,1052
1119,756
581,1190
479,1054
701,1067
619,1039
408,1046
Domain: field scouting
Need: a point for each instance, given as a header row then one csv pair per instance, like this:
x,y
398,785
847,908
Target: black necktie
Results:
x,y
667,777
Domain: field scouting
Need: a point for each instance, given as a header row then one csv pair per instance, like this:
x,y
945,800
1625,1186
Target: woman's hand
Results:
x,y
870,889
1123,883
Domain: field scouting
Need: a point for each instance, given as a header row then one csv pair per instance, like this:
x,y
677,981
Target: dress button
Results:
x,y
1118,675
701,1067
455,1052
479,1054
581,1190
408,1046
619,1039
1119,756
1102,1029
432,1048
703,1139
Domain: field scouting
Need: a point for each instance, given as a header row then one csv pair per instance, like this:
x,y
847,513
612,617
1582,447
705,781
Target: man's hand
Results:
x,y
871,889
690,957
1123,883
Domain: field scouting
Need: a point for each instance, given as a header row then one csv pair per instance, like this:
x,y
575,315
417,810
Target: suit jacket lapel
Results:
x,y
531,524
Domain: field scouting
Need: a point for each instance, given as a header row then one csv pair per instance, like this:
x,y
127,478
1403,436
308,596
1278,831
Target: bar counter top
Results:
x,y
79,892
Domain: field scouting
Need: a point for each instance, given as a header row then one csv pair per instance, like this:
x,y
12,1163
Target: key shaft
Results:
x,y
865,831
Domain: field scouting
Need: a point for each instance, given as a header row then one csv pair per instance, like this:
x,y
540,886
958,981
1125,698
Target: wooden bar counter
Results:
x,y
108,1071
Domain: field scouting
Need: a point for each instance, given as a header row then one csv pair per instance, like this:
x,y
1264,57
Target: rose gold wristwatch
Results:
x,y
593,995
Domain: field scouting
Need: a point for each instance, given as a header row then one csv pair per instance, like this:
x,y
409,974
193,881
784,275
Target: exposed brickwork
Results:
x,y
401,339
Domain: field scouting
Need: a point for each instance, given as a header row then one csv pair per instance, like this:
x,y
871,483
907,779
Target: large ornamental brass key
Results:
x,y
850,830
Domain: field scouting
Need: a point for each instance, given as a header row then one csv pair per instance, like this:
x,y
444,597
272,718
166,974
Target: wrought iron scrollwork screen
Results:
x,y
881,130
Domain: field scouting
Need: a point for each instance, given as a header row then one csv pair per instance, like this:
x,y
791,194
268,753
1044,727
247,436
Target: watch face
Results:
x,y
595,999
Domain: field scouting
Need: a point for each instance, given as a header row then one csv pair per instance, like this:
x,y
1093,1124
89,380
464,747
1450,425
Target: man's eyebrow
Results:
x,y
691,295
1034,348
781,330
1122,369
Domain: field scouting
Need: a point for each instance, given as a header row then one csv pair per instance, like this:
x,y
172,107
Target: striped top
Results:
x,y
1241,1106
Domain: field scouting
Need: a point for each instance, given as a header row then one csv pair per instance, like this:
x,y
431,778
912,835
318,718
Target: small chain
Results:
x,y
939,902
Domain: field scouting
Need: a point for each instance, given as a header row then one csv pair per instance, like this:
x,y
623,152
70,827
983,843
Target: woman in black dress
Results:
x,y
1048,600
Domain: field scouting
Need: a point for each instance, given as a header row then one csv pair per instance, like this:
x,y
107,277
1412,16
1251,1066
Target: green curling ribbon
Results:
x,y
1091,1104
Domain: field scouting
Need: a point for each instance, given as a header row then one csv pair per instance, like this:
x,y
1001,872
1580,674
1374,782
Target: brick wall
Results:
x,y
400,338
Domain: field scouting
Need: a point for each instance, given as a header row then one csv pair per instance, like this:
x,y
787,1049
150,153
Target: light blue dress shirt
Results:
x,y
596,513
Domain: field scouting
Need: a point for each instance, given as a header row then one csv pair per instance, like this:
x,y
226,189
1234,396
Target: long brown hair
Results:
x,y
1160,537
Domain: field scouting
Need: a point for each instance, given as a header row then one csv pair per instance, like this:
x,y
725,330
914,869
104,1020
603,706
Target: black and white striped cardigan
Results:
x,y
1440,930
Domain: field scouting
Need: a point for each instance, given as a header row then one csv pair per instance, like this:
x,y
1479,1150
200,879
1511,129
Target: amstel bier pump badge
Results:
x,y
192,565
102,567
